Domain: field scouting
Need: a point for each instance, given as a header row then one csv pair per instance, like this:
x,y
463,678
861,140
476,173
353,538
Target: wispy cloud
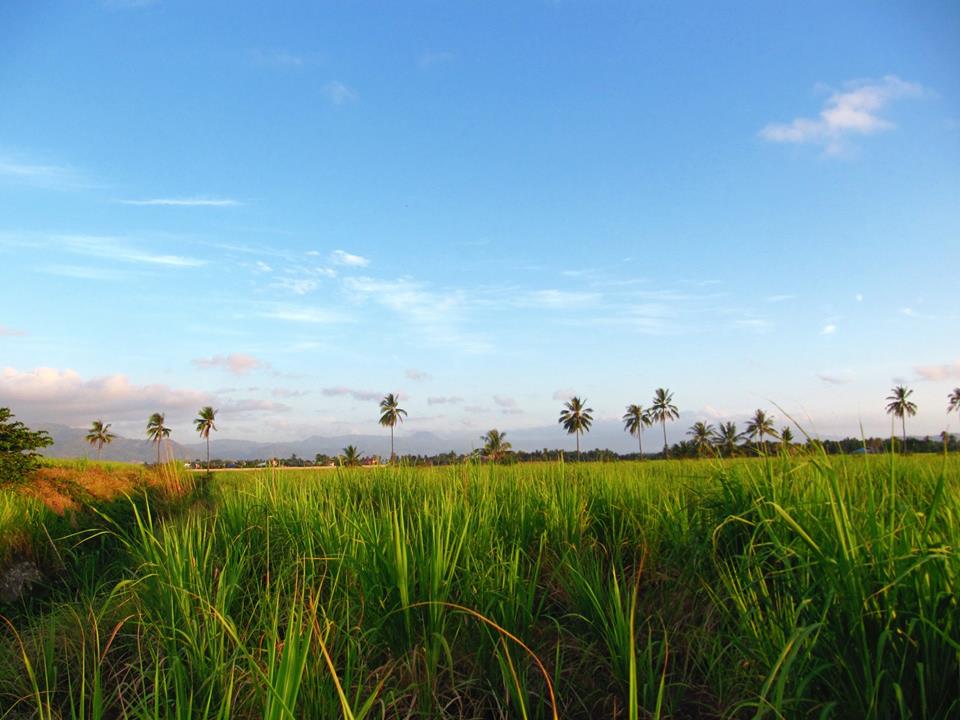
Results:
x,y
303,314
829,329
277,58
563,394
84,272
339,94
430,58
22,172
444,400
558,299
363,395
780,298
117,248
934,373
288,393
341,257
236,363
417,375
7,331
836,377
852,111
186,202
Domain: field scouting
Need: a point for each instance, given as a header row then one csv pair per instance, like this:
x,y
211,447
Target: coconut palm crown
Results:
x,y
726,439
390,414
635,419
702,435
350,456
204,423
99,435
495,447
157,431
759,425
953,401
662,410
900,405
576,418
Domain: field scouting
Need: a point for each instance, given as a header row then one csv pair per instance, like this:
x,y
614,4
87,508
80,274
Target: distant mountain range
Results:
x,y
69,442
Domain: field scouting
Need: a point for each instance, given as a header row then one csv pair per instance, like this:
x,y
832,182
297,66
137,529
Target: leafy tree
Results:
x,y
899,405
350,457
634,421
701,436
726,439
99,435
390,414
204,423
759,425
495,448
786,437
576,418
17,446
662,410
157,431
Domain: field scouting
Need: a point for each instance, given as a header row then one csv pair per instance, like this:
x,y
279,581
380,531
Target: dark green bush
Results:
x,y
18,444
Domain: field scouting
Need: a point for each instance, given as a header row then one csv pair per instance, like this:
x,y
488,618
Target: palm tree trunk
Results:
x,y
578,445
158,451
392,454
640,440
208,452
903,422
666,451
99,448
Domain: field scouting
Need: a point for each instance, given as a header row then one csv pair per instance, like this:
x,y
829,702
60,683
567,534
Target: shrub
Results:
x,y
17,447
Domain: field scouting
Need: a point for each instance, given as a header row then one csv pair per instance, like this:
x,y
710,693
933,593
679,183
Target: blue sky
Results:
x,y
288,210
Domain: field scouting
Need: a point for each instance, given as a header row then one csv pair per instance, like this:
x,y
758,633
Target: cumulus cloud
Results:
x,y
444,400
364,395
237,363
948,371
417,375
342,257
853,111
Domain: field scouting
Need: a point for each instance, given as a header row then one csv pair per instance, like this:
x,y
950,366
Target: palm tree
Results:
x,y
157,431
899,405
953,401
786,437
350,457
662,410
726,439
634,421
760,424
576,418
99,435
390,414
204,423
702,435
494,445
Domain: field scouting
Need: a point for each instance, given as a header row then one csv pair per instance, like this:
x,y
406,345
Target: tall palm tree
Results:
x,y
157,431
634,421
576,418
662,410
953,401
390,414
726,439
204,423
702,435
759,425
99,435
350,457
786,437
494,445
899,405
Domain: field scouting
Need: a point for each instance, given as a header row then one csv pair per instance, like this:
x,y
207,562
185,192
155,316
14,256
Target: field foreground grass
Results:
x,y
781,587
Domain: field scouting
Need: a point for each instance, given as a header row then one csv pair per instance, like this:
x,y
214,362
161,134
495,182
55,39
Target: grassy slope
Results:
x,y
780,588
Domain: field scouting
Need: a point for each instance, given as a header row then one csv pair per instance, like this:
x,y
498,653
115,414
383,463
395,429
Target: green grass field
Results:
x,y
780,588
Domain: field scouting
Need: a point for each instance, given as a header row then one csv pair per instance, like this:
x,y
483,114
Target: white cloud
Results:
x,y
853,111
417,375
298,286
829,329
363,395
7,331
341,257
186,202
780,298
936,373
263,267
858,297
338,93
23,172
558,299
304,314
504,401
117,248
236,363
